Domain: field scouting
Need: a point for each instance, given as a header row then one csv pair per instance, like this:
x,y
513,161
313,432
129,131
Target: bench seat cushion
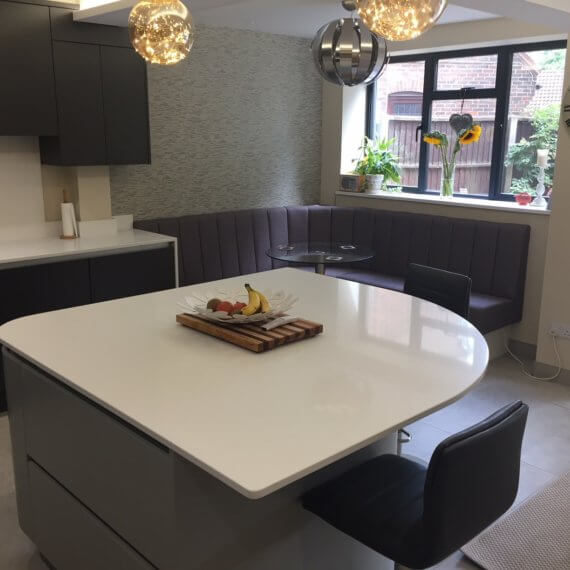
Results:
x,y
368,277
490,313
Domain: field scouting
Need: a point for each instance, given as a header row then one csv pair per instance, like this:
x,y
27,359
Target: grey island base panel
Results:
x,y
94,493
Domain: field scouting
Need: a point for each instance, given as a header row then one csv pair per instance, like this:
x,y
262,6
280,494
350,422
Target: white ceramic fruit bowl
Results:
x,y
195,304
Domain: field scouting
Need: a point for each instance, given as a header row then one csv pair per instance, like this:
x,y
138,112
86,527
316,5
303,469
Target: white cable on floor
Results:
x,y
523,365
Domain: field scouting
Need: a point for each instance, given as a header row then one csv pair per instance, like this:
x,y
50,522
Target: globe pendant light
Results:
x,y
161,31
400,20
347,53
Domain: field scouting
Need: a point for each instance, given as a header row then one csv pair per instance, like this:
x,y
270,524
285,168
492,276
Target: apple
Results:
x,y
238,307
225,307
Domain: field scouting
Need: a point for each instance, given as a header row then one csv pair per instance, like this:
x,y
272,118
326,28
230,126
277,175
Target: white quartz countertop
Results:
x,y
261,421
44,249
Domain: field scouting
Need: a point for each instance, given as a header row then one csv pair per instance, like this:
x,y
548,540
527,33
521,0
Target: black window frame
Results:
x,y
501,93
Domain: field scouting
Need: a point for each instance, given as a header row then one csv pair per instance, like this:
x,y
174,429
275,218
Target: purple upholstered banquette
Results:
x,y
494,255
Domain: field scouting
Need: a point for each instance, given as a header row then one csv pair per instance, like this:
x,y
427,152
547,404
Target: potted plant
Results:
x,y
378,163
523,194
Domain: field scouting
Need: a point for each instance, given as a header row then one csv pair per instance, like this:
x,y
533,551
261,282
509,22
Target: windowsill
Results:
x,y
455,201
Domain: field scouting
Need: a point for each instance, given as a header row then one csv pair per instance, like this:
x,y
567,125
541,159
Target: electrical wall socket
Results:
x,y
560,330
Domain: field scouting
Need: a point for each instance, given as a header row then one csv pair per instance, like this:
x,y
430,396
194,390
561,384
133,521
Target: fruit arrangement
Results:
x,y
235,307
257,303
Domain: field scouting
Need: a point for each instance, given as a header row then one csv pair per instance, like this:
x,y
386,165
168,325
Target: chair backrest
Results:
x,y
473,479
444,288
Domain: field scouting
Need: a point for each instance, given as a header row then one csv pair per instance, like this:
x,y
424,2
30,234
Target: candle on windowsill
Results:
x,y
542,157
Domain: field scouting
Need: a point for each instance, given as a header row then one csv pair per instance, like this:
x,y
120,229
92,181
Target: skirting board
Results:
x,y
496,341
543,370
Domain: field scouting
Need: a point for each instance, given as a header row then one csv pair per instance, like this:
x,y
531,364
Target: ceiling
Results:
x,y
289,17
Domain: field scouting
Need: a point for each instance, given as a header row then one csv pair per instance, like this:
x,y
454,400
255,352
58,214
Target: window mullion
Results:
x,y
504,77
371,95
429,90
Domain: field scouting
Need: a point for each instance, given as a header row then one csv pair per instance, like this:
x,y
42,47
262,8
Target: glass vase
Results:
x,y
447,185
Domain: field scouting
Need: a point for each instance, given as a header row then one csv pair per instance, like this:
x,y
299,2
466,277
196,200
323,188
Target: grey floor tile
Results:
x,y
425,438
547,443
16,551
456,562
531,481
505,378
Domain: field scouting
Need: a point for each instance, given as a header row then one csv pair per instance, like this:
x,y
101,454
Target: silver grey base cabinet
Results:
x,y
95,493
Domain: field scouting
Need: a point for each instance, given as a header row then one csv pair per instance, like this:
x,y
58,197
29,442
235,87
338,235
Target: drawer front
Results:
x,y
129,274
117,473
41,288
71,537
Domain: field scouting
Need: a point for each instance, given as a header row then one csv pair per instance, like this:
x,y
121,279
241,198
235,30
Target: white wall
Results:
x,y
556,295
21,193
31,193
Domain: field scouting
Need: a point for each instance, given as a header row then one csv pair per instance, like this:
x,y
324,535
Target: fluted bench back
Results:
x,y
227,244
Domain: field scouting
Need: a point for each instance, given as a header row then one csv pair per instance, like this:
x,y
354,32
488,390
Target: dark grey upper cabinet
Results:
x,y
27,93
123,74
65,29
102,101
81,139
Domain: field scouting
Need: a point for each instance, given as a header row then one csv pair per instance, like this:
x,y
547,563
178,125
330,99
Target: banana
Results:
x,y
254,305
265,305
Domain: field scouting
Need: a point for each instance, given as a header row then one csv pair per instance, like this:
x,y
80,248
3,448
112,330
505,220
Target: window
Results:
x,y
399,103
534,111
405,104
515,92
473,171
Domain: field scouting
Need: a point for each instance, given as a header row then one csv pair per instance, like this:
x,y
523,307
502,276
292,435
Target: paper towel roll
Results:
x,y
68,221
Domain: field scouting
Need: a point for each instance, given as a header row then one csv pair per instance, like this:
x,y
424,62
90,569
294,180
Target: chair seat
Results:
x,y
379,503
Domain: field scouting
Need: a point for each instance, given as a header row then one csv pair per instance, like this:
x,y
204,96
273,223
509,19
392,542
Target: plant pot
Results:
x,y
523,199
374,183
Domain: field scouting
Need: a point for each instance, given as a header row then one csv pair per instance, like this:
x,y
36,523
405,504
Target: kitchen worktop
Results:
x,y
259,422
46,249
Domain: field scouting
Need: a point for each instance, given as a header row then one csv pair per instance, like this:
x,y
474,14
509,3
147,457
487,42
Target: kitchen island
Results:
x,y
141,444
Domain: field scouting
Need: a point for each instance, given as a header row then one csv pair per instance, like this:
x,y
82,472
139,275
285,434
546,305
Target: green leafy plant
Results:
x,y
378,159
520,186
522,156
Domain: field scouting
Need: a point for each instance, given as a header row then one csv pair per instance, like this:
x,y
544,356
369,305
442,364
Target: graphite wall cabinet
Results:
x,y
101,93
80,107
123,74
27,91
51,286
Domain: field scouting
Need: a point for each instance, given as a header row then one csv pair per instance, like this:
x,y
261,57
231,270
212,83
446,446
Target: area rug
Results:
x,y
535,536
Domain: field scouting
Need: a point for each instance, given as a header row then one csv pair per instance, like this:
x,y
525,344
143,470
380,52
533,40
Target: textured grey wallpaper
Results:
x,y
235,125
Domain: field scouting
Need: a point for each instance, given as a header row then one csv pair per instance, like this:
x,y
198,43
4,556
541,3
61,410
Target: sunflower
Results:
x,y
432,140
436,138
471,135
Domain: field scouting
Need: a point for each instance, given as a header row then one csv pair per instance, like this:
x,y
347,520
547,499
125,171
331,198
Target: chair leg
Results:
x,y
403,437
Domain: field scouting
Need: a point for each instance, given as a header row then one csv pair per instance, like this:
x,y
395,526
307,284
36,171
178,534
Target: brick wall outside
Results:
x,y
478,72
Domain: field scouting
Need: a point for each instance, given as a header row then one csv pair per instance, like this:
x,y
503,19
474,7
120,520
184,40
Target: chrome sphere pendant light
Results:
x,y
347,53
400,20
161,31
